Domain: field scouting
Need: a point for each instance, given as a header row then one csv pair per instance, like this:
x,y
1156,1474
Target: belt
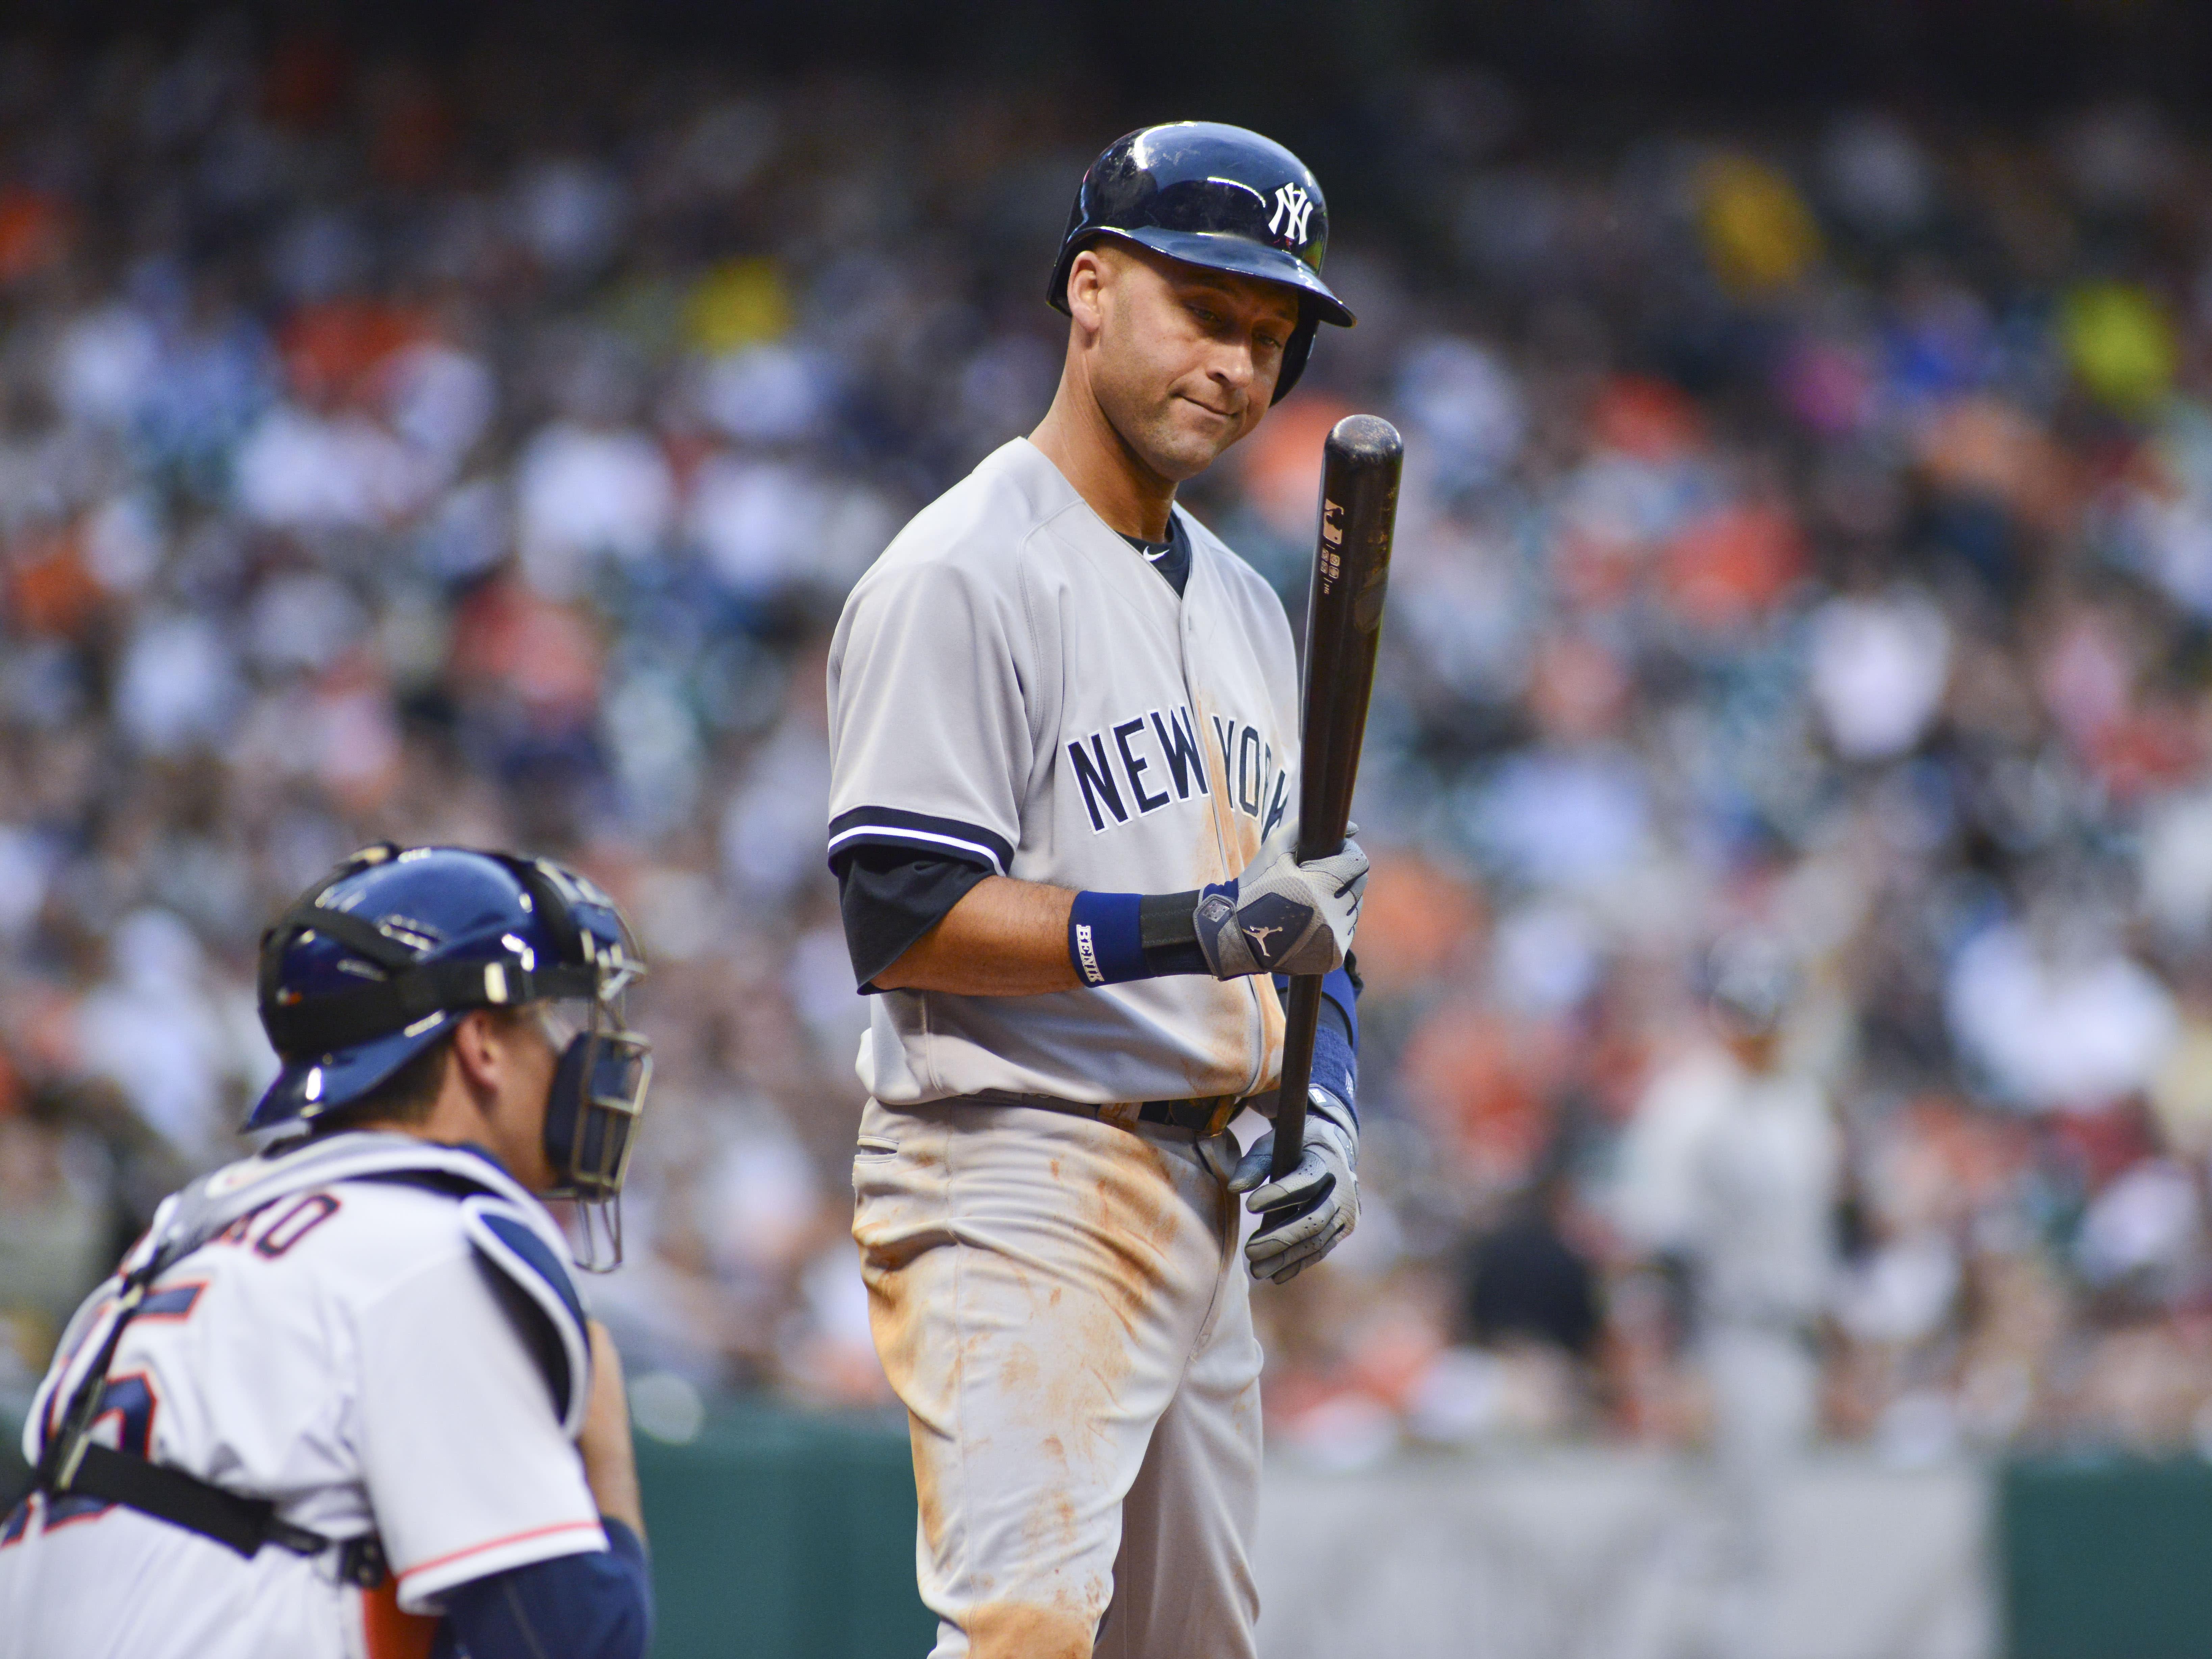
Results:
x,y
1203,1117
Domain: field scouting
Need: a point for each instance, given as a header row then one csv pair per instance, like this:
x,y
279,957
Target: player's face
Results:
x,y
514,1061
1187,359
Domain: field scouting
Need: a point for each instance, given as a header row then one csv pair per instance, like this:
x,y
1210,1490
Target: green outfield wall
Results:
x,y
2106,1558
781,1536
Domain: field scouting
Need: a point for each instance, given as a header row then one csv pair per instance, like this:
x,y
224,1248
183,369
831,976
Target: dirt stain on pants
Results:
x,y
1009,1629
1056,1301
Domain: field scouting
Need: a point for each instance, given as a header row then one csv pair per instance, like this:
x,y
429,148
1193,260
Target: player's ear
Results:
x,y
1088,277
480,1045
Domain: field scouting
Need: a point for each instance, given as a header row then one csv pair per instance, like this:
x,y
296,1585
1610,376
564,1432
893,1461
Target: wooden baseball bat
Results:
x,y
1360,464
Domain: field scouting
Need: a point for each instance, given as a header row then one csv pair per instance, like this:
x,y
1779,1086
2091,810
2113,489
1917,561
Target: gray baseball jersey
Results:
x,y
1011,684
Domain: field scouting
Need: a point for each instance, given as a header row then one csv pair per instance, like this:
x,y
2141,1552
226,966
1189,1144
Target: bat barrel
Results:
x,y
1360,464
1365,441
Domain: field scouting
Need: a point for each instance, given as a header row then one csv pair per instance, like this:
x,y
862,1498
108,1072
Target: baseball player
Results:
x,y
1731,1165
1065,744
345,1387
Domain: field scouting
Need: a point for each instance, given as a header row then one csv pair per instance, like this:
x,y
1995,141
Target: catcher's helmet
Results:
x,y
379,958
1215,196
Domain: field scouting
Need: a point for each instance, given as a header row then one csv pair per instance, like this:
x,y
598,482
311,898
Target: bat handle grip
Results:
x,y
1302,1018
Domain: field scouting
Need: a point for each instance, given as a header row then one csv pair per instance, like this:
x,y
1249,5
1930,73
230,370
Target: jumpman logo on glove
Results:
x,y
1280,916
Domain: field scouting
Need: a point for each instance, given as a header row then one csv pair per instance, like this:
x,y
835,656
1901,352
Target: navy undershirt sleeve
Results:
x,y
597,1605
889,897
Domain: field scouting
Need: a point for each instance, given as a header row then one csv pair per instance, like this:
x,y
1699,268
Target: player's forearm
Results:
x,y
610,1464
1004,939
1008,937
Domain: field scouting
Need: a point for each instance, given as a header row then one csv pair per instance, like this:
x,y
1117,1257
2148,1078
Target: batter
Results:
x,y
1065,741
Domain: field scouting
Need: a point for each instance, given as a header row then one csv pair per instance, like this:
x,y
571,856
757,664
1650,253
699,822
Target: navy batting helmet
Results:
x,y
1215,196
377,959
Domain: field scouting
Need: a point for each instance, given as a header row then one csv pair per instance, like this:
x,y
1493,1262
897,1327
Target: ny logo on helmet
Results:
x,y
1293,207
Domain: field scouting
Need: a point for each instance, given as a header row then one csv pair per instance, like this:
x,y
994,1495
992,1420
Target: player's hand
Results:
x,y
1311,1209
609,1460
1280,916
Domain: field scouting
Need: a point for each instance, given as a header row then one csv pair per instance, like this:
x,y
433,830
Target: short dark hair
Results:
x,y
406,1097
411,1093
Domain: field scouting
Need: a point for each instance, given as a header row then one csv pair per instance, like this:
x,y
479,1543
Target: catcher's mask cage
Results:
x,y
378,959
590,1115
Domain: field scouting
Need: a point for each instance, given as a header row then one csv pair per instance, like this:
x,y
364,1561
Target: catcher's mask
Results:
x,y
376,962
591,1113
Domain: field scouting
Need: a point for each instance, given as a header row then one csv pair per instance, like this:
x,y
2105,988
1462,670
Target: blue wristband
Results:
x,y
1339,989
1106,938
1335,1068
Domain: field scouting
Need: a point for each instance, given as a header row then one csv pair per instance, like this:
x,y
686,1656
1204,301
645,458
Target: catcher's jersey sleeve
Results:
x,y
466,1468
1011,684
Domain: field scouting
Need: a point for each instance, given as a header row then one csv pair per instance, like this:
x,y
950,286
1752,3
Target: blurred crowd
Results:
x,y
1793,898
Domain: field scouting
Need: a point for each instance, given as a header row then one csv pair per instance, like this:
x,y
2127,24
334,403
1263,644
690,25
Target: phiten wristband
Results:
x,y
1106,938
1114,938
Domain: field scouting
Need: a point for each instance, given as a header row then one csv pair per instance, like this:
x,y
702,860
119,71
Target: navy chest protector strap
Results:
x,y
71,1464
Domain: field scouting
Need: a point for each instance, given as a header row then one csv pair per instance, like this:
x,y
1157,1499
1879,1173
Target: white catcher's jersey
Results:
x,y
346,1351
1011,683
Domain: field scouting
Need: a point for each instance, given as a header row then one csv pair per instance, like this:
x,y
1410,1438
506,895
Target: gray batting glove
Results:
x,y
1311,1209
1280,916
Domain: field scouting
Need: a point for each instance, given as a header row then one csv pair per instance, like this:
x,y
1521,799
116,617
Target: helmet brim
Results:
x,y
308,1087
1217,250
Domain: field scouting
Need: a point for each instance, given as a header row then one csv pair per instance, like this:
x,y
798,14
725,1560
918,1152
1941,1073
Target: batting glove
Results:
x,y
1280,916
1311,1209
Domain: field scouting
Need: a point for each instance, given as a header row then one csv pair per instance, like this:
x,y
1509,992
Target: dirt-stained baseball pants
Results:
x,y
1058,1301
